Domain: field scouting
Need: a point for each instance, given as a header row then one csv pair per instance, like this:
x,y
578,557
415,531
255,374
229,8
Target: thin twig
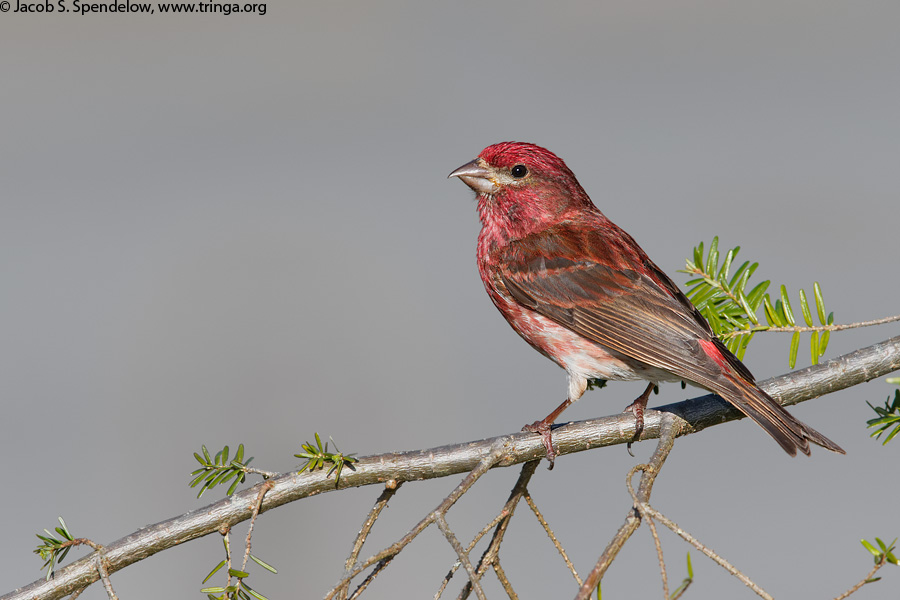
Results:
x,y
81,542
266,486
226,540
260,472
504,580
370,577
556,544
462,554
497,451
669,429
390,488
804,329
659,556
484,531
104,577
649,510
865,579
491,553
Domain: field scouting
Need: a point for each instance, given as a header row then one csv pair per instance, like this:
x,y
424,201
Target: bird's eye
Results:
x,y
519,171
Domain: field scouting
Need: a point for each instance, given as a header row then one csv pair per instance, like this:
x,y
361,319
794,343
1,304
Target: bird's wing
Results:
x,y
600,284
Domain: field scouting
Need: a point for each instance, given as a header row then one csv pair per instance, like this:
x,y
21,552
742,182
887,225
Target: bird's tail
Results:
x,y
790,433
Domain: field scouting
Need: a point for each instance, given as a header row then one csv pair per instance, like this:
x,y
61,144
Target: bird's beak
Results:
x,y
475,175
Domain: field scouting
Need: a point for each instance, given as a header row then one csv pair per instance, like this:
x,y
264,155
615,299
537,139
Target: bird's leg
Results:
x,y
542,428
637,409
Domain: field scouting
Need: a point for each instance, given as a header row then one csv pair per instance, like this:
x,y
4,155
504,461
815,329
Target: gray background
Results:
x,y
238,229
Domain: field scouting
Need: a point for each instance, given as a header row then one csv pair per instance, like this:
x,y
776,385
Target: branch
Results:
x,y
670,430
649,512
390,488
799,329
697,414
497,450
489,557
865,580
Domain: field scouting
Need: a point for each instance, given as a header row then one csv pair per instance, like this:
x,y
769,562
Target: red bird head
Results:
x,y
523,188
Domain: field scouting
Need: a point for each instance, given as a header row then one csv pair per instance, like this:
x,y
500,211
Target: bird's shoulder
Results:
x,y
571,243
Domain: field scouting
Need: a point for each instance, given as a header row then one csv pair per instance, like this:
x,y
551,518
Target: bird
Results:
x,y
584,294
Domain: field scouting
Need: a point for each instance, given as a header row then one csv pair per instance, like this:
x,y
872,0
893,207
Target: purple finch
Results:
x,y
585,295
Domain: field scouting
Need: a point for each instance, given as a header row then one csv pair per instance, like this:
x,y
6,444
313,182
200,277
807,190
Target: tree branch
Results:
x,y
390,488
489,557
697,414
865,580
803,329
670,430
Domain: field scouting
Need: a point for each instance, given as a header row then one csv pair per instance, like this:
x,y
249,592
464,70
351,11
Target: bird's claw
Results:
x,y
542,428
637,409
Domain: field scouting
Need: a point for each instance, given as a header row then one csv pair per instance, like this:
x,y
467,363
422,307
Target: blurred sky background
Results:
x,y
222,229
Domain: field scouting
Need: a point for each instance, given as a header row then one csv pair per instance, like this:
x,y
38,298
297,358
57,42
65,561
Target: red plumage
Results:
x,y
583,293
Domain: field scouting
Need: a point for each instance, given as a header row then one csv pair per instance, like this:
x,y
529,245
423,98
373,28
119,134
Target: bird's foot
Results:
x,y
542,428
637,409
